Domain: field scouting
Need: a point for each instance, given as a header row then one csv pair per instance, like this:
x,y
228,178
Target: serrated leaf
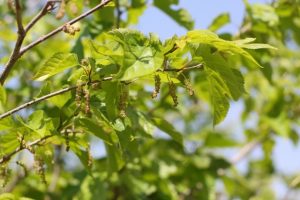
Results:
x,y
142,56
233,79
207,37
168,128
56,64
219,95
7,123
219,21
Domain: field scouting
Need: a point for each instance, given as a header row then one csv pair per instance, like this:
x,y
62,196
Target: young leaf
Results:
x,y
207,37
219,96
142,56
56,64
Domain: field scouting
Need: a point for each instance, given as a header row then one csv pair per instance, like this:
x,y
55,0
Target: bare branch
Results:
x,y
244,152
48,7
7,157
8,113
59,29
19,18
119,14
18,52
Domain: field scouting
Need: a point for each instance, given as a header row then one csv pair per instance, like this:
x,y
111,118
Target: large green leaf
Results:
x,y
207,37
219,95
56,64
233,79
142,56
181,16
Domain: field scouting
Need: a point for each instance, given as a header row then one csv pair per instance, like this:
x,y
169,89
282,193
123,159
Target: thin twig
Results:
x,y
34,101
47,7
119,14
198,66
59,29
15,54
244,152
18,51
19,18
7,157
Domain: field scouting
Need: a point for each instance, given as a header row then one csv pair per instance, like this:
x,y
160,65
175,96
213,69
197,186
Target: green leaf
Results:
x,y
82,154
207,37
219,22
141,56
244,43
181,16
219,95
114,158
60,100
168,128
233,79
35,120
56,64
7,123
219,140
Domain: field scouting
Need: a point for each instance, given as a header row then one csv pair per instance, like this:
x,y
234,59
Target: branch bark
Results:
x,y
244,152
34,101
59,29
18,51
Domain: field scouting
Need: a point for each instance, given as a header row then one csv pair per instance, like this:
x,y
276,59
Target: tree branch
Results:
x,y
47,7
7,157
15,54
119,14
19,18
59,29
18,52
37,100
244,152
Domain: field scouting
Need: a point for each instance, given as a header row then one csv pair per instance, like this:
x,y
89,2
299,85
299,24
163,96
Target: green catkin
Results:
x,y
78,94
157,86
87,98
189,87
172,93
21,164
5,175
39,167
90,158
123,103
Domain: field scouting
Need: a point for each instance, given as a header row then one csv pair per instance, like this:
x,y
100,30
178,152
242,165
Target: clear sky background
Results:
x,y
286,155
